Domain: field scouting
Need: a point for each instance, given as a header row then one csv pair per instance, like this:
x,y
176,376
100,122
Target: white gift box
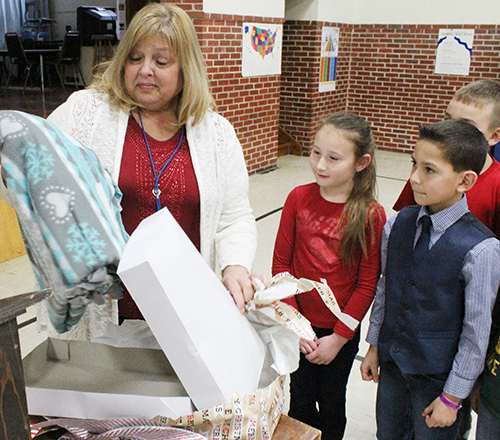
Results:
x,y
88,380
212,347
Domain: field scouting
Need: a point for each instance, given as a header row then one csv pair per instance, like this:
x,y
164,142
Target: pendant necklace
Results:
x,y
156,190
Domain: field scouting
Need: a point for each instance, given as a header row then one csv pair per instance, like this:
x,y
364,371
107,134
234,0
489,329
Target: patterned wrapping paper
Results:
x,y
255,416
250,417
68,209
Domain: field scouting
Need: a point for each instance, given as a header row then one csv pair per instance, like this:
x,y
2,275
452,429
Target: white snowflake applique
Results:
x,y
39,163
85,245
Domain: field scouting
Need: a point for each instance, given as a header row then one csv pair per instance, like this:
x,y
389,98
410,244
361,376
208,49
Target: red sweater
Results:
x,y
483,198
178,185
307,246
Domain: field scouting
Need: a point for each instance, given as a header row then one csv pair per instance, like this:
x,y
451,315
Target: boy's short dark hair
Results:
x,y
462,144
481,93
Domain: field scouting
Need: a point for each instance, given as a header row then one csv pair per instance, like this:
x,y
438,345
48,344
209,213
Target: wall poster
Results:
x,y
329,56
121,26
454,51
262,46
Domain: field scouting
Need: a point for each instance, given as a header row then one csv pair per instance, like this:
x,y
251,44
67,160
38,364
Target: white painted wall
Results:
x,y
340,11
427,11
258,8
344,10
301,10
395,11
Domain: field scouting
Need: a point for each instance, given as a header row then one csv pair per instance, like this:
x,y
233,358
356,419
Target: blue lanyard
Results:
x,y
156,190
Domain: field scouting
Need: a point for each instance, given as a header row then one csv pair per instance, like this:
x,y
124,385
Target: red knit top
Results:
x,y
178,185
307,246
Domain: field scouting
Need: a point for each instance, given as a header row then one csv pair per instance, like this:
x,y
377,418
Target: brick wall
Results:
x,y
385,73
302,106
393,84
251,104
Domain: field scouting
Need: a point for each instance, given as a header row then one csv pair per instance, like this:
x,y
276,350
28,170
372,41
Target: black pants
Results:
x,y
318,392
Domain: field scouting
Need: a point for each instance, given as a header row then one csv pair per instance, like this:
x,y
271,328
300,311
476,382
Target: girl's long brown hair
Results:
x,y
360,208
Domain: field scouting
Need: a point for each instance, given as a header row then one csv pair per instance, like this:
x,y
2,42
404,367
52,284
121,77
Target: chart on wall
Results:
x,y
454,51
262,46
329,56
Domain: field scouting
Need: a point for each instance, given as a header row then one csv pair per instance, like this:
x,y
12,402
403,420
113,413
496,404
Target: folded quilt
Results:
x,y
69,213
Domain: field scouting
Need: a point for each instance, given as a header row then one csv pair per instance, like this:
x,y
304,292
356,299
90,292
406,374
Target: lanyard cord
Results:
x,y
156,190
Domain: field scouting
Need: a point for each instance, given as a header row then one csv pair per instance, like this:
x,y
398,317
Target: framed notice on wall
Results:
x,y
262,45
454,51
329,56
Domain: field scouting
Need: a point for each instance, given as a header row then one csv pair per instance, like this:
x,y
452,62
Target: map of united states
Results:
x,y
263,41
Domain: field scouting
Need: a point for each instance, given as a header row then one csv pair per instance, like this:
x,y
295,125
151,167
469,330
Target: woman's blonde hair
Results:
x,y
360,208
175,26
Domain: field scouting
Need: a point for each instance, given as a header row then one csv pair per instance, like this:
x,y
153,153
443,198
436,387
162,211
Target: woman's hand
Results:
x,y
237,281
260,279
440,415
369,366
327,349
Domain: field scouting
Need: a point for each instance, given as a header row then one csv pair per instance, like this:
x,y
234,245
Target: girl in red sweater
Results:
x,y
332,230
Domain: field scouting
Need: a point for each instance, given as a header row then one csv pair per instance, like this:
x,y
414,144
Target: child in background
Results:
x,y
431,317
479,104
332,230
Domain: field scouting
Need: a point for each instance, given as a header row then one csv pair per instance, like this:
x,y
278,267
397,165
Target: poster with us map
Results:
x,y
262,46
329,56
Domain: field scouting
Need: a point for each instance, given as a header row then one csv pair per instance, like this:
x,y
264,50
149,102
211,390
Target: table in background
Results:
x,y
41,52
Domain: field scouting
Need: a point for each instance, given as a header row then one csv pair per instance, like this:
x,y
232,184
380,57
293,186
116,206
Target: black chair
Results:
x,y
17,56
3,70
70,56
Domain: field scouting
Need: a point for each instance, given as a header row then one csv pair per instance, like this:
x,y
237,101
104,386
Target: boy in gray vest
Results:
x,y
431,316
479,103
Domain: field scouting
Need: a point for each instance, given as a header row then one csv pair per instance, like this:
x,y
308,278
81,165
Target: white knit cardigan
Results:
x,y
228,234
227,227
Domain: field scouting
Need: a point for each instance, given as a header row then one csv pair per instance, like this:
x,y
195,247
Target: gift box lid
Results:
x,y
212,347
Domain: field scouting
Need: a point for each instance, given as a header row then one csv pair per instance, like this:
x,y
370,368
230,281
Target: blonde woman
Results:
x,y
150,118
